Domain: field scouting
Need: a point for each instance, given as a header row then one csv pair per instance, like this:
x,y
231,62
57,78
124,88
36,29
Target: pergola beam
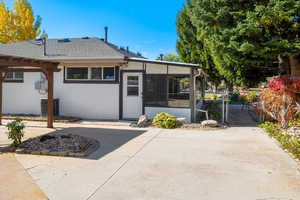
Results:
x,y
17,64
25,70
22,63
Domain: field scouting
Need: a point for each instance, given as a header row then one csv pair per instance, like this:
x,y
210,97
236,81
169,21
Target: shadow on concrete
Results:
x,y
240,117
109,139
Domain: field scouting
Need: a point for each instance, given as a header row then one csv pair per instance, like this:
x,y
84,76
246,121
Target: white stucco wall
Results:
x,y
22,98
158,68
134,66
87,101
178,112
179,70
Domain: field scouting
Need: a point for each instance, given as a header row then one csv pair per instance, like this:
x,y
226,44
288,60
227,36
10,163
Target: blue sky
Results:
x,y
145,26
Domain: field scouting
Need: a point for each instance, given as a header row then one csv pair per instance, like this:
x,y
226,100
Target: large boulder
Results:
x,y
143,122
209,123
182,121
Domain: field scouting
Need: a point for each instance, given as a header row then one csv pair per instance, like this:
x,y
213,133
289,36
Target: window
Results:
x,y
90,73
155,91
97,73
132,86
79,73
14,76
167,91
109,73
178,91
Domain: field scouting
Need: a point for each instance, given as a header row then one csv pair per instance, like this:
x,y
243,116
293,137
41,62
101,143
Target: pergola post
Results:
x,y
1,95
9,63
50,113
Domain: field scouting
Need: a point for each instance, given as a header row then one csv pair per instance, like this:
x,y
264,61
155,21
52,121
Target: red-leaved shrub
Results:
x,y
279,100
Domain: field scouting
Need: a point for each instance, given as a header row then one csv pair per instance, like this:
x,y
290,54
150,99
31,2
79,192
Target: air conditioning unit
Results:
x,y
41,85
44,107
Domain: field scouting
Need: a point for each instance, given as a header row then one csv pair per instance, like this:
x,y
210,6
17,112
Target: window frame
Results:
x,y
14,79
90,80
164,102
66,75
133,86
108,79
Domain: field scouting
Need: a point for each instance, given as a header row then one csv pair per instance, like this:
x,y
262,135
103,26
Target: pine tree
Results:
x,y
193,50
242,38
172,57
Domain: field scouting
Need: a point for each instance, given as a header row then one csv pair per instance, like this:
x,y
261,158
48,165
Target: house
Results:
x,y
98,80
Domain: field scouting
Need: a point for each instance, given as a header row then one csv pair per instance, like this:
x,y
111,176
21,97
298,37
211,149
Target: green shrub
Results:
x,y
214,110
211,96
165,120
16,131
251,96
288,142
295,121
235,96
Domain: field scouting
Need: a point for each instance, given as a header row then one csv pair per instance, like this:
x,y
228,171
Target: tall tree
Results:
x,y
172,57
19,24
193,50
271,30
7,28
245,37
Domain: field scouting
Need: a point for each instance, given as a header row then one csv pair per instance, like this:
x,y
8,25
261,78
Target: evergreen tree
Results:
x,y
245,37
270,31
191,49
172,57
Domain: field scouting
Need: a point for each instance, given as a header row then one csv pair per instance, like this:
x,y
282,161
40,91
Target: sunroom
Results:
x,y
166,87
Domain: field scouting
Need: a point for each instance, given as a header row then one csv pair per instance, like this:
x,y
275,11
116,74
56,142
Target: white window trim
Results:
x,y
90,74
14,77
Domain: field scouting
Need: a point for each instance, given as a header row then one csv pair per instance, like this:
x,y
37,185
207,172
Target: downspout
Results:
x,y
195,98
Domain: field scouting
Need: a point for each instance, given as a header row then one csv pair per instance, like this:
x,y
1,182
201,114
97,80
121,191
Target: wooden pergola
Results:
x,y
21,64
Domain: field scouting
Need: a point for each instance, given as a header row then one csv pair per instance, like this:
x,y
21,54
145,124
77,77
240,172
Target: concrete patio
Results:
x,y
236,163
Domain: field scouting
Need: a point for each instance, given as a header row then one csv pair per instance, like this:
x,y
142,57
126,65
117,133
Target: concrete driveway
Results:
x,y
236,163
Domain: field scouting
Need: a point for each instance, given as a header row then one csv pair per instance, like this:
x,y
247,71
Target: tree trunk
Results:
x,y
294,66
284,65
215,88
230,87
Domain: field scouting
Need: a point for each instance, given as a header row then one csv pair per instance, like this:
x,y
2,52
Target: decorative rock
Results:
x,y
133,124
143,122
293,131
209,123
182,121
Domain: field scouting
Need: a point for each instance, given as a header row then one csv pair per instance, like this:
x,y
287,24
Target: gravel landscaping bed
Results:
x,y
59,145
198,126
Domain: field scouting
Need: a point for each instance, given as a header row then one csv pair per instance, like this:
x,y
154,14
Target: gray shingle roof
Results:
x,y
72,48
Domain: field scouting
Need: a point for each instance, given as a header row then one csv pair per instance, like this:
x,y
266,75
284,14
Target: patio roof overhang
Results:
x,y
9,63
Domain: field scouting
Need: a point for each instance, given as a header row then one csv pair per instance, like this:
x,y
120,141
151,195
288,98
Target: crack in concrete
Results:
x,y
123,164
32,167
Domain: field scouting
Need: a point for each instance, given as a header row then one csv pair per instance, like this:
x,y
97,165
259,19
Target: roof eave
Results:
x,y
163,62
